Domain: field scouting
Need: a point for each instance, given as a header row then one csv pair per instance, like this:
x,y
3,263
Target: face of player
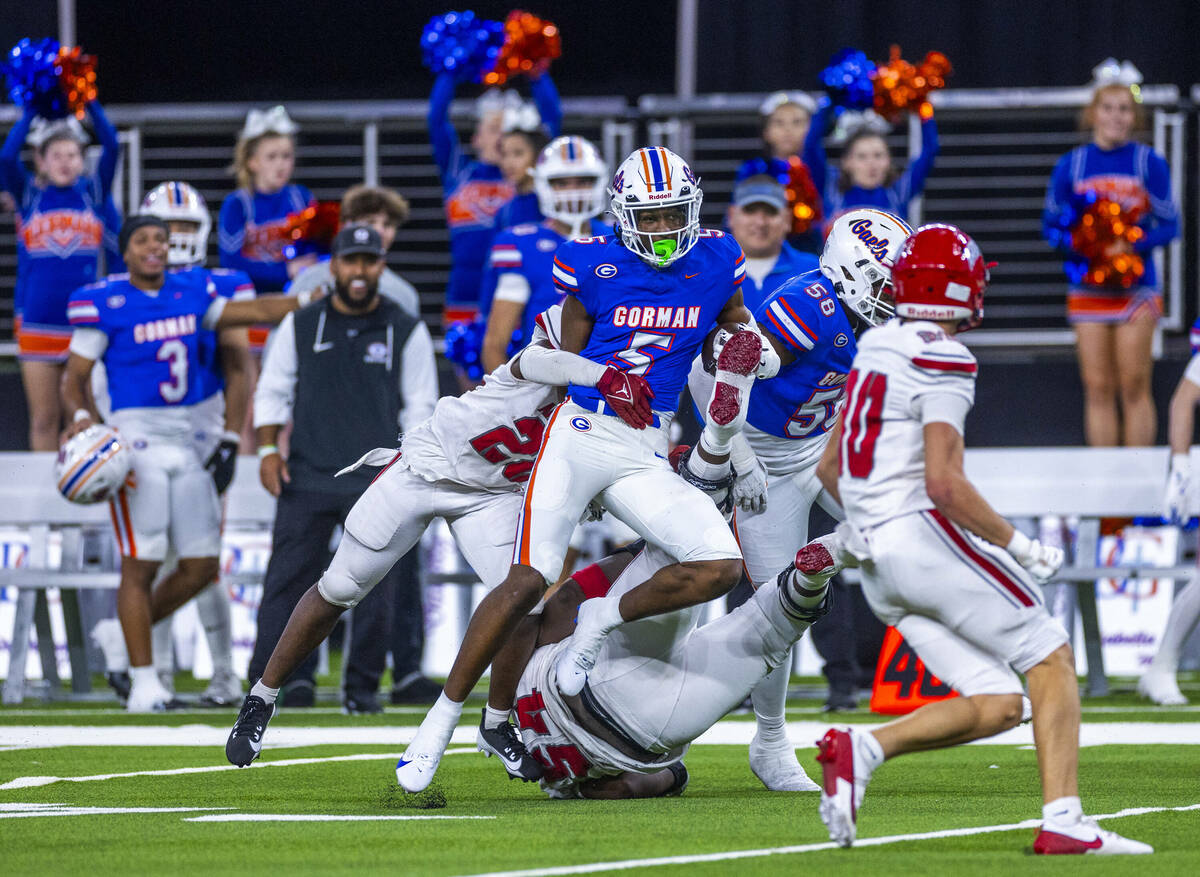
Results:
x,y
272,163
867,162
516,158
486,139
785,130
1113,117
61,162
759,228
661,223
356,280
381,222
146,254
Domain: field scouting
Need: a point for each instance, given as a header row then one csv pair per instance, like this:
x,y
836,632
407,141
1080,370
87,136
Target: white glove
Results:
x,y
768,362
1175,496
750,486
1042,561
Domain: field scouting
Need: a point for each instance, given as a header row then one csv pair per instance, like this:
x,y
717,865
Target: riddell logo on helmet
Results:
x,y
864,231
654,197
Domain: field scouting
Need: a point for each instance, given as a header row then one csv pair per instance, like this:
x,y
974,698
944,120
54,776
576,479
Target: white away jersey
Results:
x,y
899,366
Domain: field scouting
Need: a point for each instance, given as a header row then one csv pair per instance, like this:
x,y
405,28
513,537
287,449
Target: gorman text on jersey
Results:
x,y
651,317
169,327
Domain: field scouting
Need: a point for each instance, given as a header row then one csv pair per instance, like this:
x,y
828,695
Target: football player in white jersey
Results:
x,y
937,562
467,464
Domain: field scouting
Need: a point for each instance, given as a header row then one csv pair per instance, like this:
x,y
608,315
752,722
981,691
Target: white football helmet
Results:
x,y
179,202
651,178
568,158
92,465
857,259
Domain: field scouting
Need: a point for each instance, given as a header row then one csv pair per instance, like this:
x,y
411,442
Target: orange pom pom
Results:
x,y
530,44
317,224
77,79
1105,235
901,86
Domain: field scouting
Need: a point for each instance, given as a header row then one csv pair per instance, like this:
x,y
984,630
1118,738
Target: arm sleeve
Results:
x,y
110,148
1057,212
442,135
418,378
951,408
13,176
276,388
557,368
912,181
88,342
549,104
1162,226
814,147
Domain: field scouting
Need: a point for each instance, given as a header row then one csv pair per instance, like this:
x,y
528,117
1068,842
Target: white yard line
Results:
x,y
726,732
34,782
628,864
316,817
215,712
25,811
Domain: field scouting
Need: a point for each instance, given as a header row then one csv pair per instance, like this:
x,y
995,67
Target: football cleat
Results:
x,y
415,690
505,743
223,690
579,657
120,683
736,367
1162,688
843,783
245,740
150,697
415,770
778,767
1086,837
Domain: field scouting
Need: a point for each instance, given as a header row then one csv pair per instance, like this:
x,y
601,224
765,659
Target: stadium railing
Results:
x,y
997,149
1023,484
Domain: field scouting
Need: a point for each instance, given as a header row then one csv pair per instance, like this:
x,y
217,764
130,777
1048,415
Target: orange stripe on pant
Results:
x,y
523,534
128,522
112,508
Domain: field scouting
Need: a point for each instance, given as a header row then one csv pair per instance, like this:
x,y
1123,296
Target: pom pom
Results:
x,y
312,229
1105,234
32,72
803,199
847,80
77,79
461,44
900,86
530,44
464,347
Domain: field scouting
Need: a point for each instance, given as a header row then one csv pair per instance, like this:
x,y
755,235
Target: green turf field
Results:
x,y
487,824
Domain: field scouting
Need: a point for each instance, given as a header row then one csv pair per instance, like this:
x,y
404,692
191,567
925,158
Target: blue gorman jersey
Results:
x,y
801,401
528,250
253,229
155,342
648,321
1134,176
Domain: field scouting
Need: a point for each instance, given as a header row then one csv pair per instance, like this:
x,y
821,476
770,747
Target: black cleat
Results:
x,y
418,690
298,694
505,743
119,682
361,703
245,740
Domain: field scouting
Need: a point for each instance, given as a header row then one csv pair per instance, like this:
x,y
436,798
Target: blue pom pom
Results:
x,y
464,347
32,73
771,167
847,80
461,44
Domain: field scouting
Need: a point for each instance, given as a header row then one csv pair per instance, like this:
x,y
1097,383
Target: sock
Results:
x,y
867,749
444,714
1185,612
143,675
701,468
1063,811
267,694
494,718
607,612
769,697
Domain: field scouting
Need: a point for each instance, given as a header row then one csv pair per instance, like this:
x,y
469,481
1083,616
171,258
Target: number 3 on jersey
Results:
x,y
175,354
860,429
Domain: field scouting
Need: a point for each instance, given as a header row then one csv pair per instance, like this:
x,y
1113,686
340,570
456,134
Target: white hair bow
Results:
x,y
851,121
779,98
272,121
1110,71
496,100
524,117
42,130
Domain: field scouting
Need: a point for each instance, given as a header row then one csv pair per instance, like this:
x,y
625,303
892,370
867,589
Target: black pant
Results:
x,y
304,525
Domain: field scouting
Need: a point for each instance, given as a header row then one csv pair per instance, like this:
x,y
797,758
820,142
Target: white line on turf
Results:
x,y
724,732
33,782
17,810
596,867
316,817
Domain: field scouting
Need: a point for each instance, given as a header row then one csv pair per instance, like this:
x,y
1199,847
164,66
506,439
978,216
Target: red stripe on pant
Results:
x,y
981,560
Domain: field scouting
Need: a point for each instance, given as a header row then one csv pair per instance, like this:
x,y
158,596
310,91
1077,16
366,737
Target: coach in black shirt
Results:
x,y
348,371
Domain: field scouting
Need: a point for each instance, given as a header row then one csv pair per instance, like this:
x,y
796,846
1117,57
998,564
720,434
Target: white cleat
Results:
x,y
1086,837
579,657
778,767
224,689
149,697
844,782
1161,688
415,770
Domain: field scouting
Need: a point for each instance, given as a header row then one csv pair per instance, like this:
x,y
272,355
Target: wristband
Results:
x,y
81,414
230,435
1019,545
267,450
304,297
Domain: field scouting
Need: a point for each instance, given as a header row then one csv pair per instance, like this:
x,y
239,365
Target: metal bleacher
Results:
x,y
997,149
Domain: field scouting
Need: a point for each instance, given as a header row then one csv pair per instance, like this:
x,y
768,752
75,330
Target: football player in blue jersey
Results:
x,y
569,179
642,301
149,327
787,424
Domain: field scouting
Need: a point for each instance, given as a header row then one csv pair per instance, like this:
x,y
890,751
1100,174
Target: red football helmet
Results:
x,y
939,274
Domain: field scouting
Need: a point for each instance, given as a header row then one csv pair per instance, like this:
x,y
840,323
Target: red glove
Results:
x,y
628,395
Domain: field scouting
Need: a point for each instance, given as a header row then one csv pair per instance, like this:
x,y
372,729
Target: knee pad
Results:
x,y
339,588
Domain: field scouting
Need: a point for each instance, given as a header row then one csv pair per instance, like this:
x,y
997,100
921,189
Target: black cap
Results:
x,y
358,239
132,224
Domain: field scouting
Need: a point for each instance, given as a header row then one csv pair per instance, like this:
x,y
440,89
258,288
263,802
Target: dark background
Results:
x,y
269,51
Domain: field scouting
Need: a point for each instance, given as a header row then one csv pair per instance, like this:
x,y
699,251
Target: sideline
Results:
x,y
596,867
318,817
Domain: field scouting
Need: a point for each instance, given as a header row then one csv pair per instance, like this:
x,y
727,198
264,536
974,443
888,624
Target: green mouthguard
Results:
x,y
664,249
